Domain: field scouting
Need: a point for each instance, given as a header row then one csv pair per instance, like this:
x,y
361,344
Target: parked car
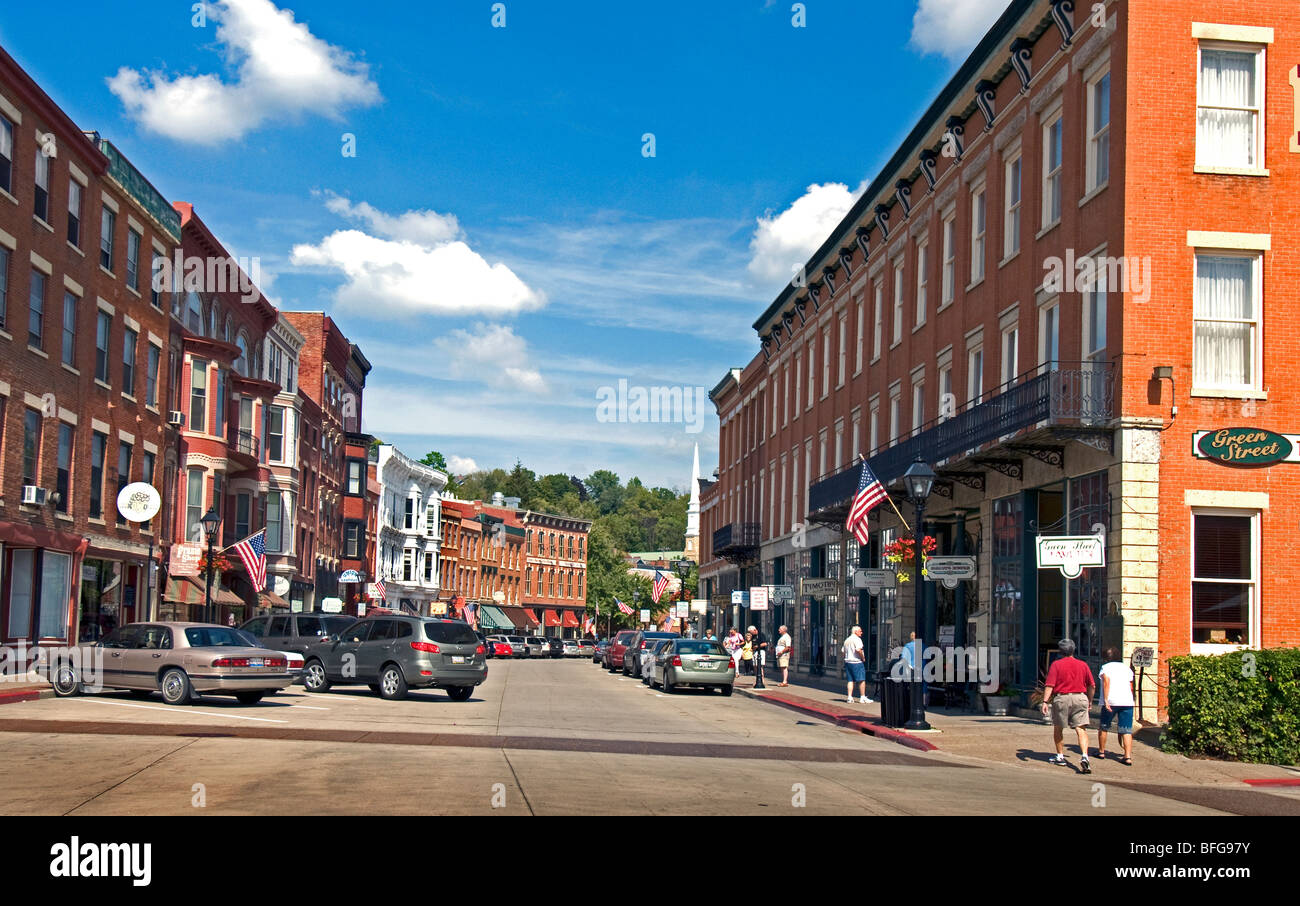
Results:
x,y
695,662
613,658
554,647
295,659
571,648
536,646
637,647
497,646
598,652
295,631
586,648
182,661
519,644
650,660
392,653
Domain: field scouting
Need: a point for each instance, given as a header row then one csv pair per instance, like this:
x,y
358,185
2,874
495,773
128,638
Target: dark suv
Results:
x,y
638,644
393,653
295,631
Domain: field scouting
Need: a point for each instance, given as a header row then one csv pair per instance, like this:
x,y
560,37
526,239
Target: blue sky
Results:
x,y
500,246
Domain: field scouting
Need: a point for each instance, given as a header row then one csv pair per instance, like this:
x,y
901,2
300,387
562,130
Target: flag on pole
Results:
x,y
252,551
380,591
661,586
870,493
623,607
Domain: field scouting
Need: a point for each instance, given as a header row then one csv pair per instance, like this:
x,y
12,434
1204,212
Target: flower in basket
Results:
x,y
902,553
220,564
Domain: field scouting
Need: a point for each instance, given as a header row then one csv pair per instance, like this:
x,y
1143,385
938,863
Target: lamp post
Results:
x,y
683,568
918,479
211,520
636,604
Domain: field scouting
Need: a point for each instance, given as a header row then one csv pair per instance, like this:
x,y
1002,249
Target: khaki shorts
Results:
x,y
1070,710
783,661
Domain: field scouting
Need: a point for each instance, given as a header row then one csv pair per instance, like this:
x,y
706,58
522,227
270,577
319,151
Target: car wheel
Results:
x,y
669,688
392,684
726,690
459,693
314,678
175,687
249,698
65,680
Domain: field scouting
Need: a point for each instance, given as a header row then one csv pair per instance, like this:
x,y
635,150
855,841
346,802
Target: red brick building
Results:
x,y
555,578
219,324
948,317
83,386
483,564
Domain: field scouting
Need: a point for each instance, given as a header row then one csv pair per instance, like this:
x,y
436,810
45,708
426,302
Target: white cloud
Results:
x,y
417,264
783,242
280,70
953,27
492,353
461,465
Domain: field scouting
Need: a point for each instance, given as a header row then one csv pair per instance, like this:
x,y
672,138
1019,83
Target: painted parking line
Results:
x,y
171,710
309,707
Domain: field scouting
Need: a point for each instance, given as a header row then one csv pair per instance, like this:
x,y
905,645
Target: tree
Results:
x,y
435,459
521,483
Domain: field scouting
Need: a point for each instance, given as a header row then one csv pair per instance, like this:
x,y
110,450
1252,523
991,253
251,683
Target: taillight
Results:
x,y
677,661
425,646
643,643
230,662
480,650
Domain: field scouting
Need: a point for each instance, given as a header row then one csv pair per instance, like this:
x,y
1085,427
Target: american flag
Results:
x,y
623,607
252,551
380,590
661,586
870,493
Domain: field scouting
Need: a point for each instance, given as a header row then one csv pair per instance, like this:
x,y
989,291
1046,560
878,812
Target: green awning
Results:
x,y
492,618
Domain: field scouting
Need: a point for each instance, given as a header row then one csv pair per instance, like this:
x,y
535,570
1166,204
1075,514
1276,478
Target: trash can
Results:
x,y
895,703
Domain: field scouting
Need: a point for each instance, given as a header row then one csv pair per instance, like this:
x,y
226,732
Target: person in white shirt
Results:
x,y
855,666
783,644
1116,702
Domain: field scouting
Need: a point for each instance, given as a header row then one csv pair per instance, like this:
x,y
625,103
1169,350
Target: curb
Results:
x,y
29,694
867,725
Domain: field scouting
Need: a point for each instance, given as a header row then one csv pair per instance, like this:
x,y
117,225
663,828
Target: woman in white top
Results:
x,y
1116,703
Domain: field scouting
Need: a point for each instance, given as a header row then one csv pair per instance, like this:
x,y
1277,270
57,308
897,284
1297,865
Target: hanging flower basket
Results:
x,y
900,556
220,564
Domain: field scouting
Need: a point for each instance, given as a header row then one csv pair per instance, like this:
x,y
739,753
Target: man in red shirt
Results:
x,y
1068,691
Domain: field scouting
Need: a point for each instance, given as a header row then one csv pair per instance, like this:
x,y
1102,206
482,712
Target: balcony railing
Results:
x,y
736,540
244,442
1083,396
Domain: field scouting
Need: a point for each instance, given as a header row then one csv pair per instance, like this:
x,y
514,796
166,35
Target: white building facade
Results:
x,y
409,530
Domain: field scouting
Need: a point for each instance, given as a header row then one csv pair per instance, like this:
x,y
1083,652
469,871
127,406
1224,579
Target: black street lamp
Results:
x,y
918,479
636,604
684,571
211,520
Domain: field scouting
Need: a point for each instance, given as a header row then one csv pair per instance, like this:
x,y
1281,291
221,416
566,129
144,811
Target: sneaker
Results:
x,y
852,700
1057,759
1084,767
865,700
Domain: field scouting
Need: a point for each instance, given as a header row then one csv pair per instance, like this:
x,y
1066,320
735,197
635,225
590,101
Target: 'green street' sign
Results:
x,y
1244,446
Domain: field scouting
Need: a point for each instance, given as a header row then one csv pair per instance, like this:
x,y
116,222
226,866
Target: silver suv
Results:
x,y
392,654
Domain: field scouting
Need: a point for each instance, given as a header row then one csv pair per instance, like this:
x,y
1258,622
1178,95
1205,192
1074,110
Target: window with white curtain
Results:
x,y
22,566
974,374
1098,173
978,227
898,302
1226,310
1010,354
922,266
1229,104
1011,218
949,257
1053,163
878,326
1049,337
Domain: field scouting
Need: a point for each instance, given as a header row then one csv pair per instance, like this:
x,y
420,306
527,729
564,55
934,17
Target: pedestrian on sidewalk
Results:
x,y
1116,702
783,644
758,649
1068,692
855,665
733,645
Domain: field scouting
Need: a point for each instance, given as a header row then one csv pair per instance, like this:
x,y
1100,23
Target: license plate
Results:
x,y
255,662
705,665
457,659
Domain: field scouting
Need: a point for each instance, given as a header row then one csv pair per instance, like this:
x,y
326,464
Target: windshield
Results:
x,y
699,646
217,637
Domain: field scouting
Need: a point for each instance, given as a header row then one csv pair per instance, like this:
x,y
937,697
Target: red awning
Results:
x,y
570,620
187,590
552,618
521,617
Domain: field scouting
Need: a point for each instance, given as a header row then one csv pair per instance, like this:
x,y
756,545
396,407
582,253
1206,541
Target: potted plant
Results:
x,y
900,555
999,703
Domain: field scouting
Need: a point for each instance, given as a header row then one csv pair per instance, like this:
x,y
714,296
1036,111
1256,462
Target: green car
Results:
x,y
695,662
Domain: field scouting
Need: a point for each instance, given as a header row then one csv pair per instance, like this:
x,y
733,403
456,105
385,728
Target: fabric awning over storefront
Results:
x,y
521,617
552,618
187,590
570,620
272,600
492,618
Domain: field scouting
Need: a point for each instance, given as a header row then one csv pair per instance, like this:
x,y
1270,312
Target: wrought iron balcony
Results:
x,y
737,541
1081,398
244,442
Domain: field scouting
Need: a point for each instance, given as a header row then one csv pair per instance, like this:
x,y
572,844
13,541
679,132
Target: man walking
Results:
x,y
758,647
783,644
855,665
1116,702
1068,692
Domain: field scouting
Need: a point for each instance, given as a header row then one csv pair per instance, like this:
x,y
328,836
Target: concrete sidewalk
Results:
x,y
1025,740
11,693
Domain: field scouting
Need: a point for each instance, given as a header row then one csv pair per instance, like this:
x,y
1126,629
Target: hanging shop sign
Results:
x,y
1246,446
875,580
721,600
780,594
185,559
1071,553
645,614
700,605
138,502
950,570
351,577
819,588
740,597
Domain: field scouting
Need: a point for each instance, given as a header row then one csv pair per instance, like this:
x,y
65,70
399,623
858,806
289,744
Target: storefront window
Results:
x,y
1005,632
1224,584
54,594
101,598
22,565
1089,508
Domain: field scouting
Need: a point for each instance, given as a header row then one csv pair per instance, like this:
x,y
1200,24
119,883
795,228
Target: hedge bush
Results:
x,y
1240,706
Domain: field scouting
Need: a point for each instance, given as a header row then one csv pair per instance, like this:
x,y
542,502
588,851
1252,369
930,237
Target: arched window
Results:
x,y
194,315
229,328
214,319
241,363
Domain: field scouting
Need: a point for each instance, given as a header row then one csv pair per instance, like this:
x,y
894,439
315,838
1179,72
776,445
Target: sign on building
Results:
x,y
740,597
950,570
758,597
1071,553
645,614
1246,446
780,594
185,559
819,588
875,580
